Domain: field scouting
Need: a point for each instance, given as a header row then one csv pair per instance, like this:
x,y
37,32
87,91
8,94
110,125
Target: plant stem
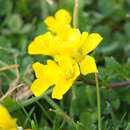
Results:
x,y
111,85
98,102
75,14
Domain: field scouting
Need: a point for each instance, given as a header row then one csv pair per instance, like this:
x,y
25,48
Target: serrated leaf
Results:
x,y
114,66
88,119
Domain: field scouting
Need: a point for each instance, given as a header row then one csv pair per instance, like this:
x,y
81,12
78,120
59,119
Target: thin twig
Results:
x,y
3,48
111,85
16,81
10,91
17,70
9,67
75,14
6,49
119,84
64,115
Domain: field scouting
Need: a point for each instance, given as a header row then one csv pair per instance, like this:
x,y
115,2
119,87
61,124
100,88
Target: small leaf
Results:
x,y
106,7
27,28
15,23
128,126
5,7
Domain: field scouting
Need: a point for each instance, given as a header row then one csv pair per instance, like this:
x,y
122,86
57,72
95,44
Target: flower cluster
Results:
x,y
69,49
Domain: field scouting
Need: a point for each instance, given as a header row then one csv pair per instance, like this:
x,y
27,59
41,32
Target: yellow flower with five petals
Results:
x,y
61,74
79,52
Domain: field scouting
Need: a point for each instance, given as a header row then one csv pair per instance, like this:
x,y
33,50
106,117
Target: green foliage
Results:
x,y
22,20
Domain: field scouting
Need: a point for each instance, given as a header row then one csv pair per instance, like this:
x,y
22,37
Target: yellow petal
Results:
x,y
73,35
52,24
60,23
69,72
71,46
88,65
46,44
46,72
13,129
70,37
47,75
83,38
49,20
6,121
61,88
63,16
39,69
40,44
91,42
39,87
69,68
52,73
76,71
65,63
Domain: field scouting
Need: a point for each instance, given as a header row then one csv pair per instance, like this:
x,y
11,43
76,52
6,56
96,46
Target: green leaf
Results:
x,y
4,42
88,2
106,7
5,7
91,92
41,28
27,28
15,23
127,30
8,101
128,126
34,127
114,66
88,119
111,99
119,13
79,103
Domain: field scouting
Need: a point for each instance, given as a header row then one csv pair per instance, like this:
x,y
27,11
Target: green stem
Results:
x,y
98,102
52,103
75,14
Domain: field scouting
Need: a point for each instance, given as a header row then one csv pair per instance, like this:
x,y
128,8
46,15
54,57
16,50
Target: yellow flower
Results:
x,y
76,46
80,50
50,44
70,50
6,121
61,74
69,72
60,22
